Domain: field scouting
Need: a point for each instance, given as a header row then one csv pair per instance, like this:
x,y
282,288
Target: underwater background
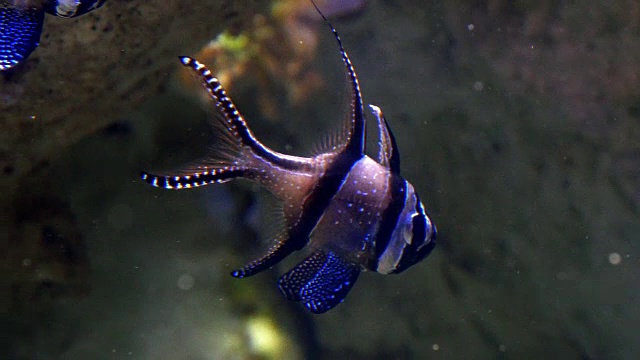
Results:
x,y
518,122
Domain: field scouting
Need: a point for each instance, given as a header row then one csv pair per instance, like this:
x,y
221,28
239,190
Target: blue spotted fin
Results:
x,y
320,282
20,29
21,24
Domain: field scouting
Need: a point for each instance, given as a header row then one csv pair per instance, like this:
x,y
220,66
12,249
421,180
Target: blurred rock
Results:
x,y
89,70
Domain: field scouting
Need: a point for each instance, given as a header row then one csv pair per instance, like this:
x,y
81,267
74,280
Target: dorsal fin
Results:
x,y
357,128
388,155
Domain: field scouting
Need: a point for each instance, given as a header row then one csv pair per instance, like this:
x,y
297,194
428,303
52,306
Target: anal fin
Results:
x,y
321,281
278,251
20,28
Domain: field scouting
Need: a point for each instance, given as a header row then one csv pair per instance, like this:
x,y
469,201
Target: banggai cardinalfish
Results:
x,y
352,212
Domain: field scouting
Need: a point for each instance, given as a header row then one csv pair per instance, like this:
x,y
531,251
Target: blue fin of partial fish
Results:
x,y
19,33
321,281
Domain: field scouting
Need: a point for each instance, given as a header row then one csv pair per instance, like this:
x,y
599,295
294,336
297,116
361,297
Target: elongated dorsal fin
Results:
x,y
357,128
388,155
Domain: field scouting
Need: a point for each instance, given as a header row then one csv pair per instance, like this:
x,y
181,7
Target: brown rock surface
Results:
x,y
90,70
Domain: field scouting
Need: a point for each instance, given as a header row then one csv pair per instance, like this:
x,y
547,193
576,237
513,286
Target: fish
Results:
x,y
21,24
350,212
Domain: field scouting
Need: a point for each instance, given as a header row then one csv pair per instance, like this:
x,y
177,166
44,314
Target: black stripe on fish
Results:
x,y
312,211
391,215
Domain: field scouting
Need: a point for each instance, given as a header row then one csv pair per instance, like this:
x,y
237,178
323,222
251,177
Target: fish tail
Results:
x,y
237,153
231,156
235,126
20,29
228,114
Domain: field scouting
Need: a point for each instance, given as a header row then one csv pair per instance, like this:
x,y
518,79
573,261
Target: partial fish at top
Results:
x,y
21,24
351,212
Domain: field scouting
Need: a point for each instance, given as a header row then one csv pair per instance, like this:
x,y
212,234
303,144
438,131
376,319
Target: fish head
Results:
x,y
413,238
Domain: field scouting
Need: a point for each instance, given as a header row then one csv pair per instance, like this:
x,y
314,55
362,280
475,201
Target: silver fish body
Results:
x,y
352,213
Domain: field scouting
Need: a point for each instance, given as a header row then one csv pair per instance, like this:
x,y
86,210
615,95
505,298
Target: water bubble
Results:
x,y
615,258
186,282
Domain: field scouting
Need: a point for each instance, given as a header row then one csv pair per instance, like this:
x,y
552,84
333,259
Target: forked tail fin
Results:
x,y
227,159
238,151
